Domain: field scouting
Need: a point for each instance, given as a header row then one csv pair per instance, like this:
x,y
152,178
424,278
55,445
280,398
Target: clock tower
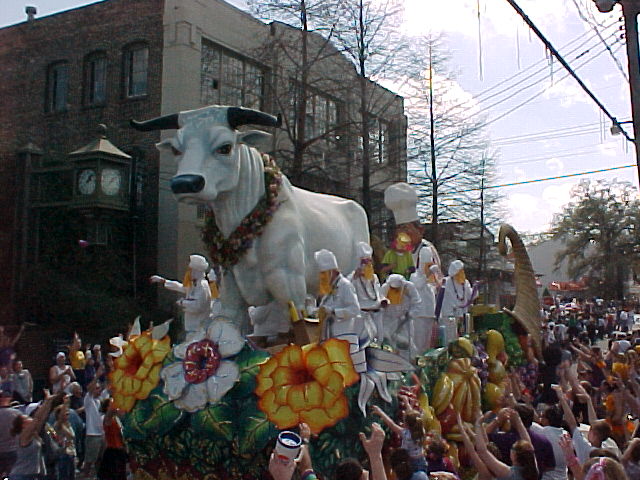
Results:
x,y
101,175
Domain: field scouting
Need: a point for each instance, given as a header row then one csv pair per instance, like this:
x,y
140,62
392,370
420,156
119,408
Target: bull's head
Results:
x,y
205,146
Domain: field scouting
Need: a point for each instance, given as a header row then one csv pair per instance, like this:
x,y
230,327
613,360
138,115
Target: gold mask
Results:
x,y
325,282
187,282
367,271
460,277
395,295
213,286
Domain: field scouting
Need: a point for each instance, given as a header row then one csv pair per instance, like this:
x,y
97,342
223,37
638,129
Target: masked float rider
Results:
x,y
457,296
404,305
424,279
338,309
196,303
402,199
367,286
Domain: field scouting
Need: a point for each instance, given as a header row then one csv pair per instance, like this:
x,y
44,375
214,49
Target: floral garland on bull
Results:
x,y
227,251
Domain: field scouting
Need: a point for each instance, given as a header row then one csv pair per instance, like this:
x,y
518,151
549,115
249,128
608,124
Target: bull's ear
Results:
x,y
256,138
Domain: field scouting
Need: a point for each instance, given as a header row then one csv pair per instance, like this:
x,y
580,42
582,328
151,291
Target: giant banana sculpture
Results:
x,y
527,308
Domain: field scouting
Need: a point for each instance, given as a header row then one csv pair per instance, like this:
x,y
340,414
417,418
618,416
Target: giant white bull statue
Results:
x,y
222,168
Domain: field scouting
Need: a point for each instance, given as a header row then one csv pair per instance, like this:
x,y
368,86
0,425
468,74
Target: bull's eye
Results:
x,y
224,149
175,151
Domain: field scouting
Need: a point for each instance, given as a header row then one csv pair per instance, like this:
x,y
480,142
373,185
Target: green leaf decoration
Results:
x,y
217,419
156,415
248,361
254,430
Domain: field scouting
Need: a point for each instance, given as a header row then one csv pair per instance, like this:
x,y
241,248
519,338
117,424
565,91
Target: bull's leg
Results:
x,y
234,307
289,288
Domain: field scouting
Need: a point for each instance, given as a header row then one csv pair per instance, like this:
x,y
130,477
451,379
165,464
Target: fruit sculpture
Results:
x,y
466,388
494,389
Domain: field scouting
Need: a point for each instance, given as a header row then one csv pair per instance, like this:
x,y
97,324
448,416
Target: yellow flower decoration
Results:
x,y
306,384
137,371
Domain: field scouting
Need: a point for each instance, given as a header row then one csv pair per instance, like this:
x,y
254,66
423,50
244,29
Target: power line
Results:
x,y
540,179
566,66
595,29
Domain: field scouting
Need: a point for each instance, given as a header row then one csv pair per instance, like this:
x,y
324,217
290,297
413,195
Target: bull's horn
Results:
x,y
237,116
159,123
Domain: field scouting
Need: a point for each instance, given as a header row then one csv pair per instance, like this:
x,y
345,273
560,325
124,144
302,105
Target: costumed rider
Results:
x,y
338,308
404,306
455,298
367,286
196,303
402,199
424,279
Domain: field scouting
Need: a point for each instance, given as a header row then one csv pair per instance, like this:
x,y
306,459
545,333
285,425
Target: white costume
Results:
x,y
341,304
456,299
196,303
426,314
398,318
368,293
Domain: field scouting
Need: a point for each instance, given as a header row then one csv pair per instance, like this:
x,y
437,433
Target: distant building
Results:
x,y
114,60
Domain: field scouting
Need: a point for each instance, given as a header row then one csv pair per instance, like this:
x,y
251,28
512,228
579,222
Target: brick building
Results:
x,y
115,60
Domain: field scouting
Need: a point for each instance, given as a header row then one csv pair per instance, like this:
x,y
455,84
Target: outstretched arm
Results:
x,y
393,426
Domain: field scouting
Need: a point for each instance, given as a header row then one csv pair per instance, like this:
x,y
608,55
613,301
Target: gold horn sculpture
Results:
x,y
527,308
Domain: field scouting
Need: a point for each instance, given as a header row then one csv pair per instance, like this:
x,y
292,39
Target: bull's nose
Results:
x,y
187,184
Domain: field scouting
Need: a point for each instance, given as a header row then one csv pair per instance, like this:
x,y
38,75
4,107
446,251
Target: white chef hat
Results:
x,y
395,280
326,260
455,267
401,198
198,262
364,250
425,256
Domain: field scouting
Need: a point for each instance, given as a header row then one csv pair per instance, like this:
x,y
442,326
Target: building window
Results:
x,y
229,79
57,87
95,79
136,61
379,140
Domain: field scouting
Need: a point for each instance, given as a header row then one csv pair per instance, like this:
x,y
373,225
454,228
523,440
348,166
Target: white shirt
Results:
x,y
553,434
196,304
341,304
93,416
583,447
410,300
367,291
455,297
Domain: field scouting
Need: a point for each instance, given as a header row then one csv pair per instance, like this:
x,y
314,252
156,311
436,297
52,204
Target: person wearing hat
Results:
x,y
402,199
398,258
424,280
60,374
196,303
457,296
404,306
338,309
367,286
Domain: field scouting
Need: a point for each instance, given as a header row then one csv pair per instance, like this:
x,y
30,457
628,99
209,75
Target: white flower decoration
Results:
x,y
202,375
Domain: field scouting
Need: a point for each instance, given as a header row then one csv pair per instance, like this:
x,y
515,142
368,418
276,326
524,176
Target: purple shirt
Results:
x,y
543,449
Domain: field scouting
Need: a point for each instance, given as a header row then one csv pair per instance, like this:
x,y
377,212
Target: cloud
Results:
x,y
535,213
609,149
555,165
567,91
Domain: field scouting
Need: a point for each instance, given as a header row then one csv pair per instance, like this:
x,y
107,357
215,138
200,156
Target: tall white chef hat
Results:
x,y
198,262
426,256
364,250
455,267
326,260
401,198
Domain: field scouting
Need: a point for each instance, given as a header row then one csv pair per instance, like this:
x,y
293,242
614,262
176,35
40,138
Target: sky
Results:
x,y
540,124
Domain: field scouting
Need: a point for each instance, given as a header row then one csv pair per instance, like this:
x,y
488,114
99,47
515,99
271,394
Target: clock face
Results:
x,y
111,181
87,181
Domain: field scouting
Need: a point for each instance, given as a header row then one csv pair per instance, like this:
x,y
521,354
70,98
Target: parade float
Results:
x,y
211,402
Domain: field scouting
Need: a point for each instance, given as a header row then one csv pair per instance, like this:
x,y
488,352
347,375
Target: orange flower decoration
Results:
x,y
137,371
307,385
